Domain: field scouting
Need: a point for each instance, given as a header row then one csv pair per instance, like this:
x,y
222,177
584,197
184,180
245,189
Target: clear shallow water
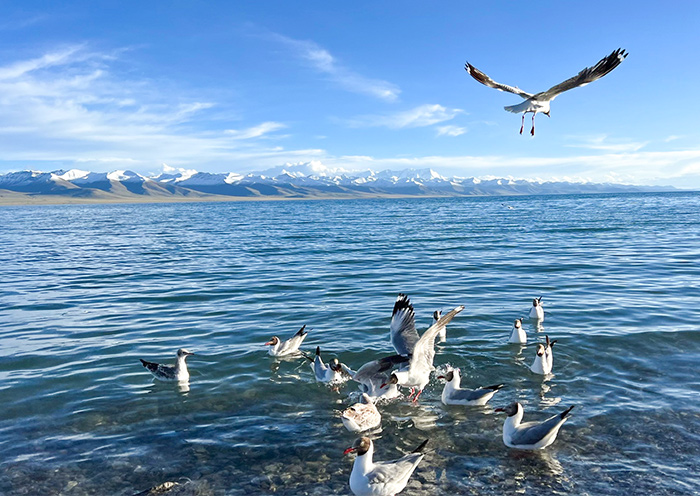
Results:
x,y
88,290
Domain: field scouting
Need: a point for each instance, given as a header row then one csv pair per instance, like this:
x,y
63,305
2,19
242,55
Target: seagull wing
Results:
x,y
395,471
403,326
587,75
377,370
485,80
424,351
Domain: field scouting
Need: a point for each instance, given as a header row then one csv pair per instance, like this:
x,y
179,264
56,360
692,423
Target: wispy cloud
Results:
x,y
321,60
421,116
84,111
604,143
255,131
451,130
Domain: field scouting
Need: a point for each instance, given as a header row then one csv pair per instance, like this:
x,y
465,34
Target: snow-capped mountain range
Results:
x,y
304,180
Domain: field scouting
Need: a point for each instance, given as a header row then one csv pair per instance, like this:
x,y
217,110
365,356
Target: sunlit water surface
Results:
x,y
88,290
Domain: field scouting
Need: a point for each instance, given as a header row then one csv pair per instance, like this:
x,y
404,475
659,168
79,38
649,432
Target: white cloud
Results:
x,y
604,143
255,131
323,61
451,130
421,116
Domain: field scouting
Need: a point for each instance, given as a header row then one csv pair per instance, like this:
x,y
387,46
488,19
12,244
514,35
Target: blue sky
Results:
x,y
245,86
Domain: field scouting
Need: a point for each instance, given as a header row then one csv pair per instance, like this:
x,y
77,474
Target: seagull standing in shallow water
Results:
x,y
177,372
370,478
539,102
530,435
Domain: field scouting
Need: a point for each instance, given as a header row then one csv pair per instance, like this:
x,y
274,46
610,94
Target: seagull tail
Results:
x,y
421,448
495,387
565,413
301,331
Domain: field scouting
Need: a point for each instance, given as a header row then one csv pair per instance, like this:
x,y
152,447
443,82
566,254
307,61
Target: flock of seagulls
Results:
x,y
540,102
410,368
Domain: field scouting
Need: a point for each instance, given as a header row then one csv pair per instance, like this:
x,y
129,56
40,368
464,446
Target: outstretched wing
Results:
x,y
485,80
424,351
403,326
587,75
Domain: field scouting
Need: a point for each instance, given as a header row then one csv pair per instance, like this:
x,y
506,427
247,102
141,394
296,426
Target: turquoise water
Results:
x,y
88,290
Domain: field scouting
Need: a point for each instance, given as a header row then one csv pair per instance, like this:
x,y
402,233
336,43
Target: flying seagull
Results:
x,y
539,102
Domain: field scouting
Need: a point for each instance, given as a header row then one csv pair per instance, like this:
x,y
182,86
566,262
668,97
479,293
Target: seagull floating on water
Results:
x,y
177,372
530,435
544,359
518,335
361,416
540,102
370,478
332,373
536,310
283,348
421,362
453,394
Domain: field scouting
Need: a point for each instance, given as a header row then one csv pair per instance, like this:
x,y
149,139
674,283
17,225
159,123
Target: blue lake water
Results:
x,y
88,290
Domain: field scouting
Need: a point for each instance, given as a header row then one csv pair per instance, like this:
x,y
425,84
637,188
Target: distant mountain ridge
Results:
x,y
306,180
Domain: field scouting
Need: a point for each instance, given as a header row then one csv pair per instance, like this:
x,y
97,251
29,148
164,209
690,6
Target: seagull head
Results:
x,y
273,341
509,410
182,353
449,375
540,350
360,446
392,380
335,365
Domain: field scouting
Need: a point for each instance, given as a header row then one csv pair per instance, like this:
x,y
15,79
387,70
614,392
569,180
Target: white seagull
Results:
x,y
544,359
421,361
361,416
536,310
177,372
539,102
370,478
453,394
283,348
530,435
332,373
374,377
517,335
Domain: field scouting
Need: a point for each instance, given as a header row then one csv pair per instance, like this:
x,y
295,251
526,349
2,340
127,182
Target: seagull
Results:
x,y
369,478
421,362
361,416
539,102
283,348
530,435
536,311
452,394
544,360
177,372
518,335
373,377
332,373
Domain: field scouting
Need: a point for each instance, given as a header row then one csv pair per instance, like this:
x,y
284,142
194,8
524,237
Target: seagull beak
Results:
x,y
441,377
269,343
349,450
383,385
499,409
